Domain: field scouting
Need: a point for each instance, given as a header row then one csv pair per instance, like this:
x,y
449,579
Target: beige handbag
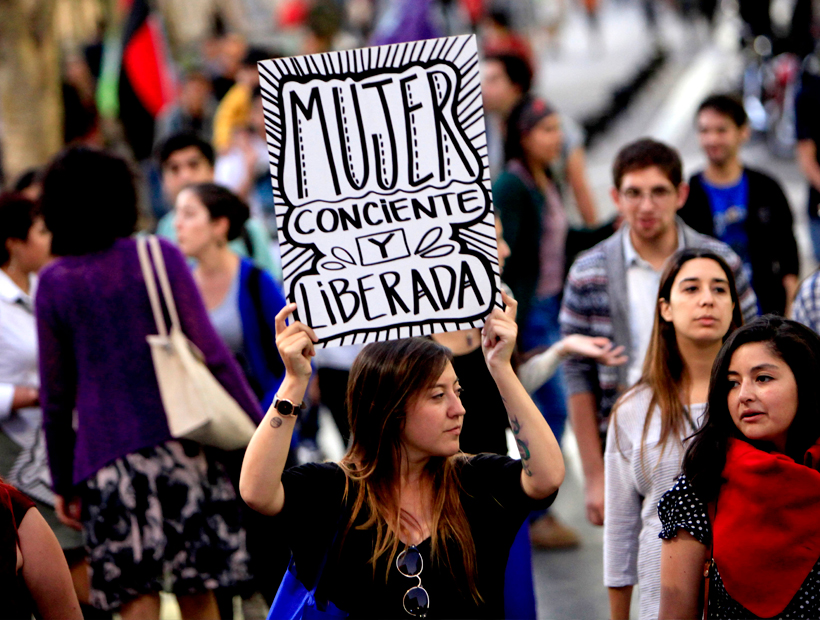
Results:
x,y
196,404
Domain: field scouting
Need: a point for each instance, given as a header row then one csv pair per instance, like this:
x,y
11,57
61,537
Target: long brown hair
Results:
x,y
663,368
384,380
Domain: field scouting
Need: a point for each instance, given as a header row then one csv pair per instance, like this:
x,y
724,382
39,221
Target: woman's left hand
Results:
x,y
499,334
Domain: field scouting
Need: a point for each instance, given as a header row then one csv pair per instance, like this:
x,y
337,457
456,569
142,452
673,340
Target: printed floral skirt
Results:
x,y
162,517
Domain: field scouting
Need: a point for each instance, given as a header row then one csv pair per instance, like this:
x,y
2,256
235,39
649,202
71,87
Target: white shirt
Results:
x,y
18,341
231,170
633,487
19,366
642,284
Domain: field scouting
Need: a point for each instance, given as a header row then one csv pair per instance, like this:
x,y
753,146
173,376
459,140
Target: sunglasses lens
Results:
x,y
416,602
409,562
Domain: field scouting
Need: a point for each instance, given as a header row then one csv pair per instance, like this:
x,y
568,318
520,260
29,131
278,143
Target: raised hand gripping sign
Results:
x,y
380,179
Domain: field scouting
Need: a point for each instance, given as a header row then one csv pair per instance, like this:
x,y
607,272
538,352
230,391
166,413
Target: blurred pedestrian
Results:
x,y
743,207
234,109
808,139
185,159
25,247
154,510
535,227
806,306
323,21
224,56
498,37
242,300
245,168
505,80
740,524
611,291
406,522
697,308
81,122
192,112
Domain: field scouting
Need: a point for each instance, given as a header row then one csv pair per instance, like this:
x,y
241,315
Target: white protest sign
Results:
x,y
382,191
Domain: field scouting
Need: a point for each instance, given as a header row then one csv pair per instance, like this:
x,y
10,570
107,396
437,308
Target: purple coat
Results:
x,y
93,315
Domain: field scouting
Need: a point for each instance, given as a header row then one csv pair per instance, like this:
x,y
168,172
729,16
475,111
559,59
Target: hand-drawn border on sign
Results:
x,y
476,238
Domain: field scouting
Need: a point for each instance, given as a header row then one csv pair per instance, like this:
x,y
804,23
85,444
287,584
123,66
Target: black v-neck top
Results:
x,y
496,507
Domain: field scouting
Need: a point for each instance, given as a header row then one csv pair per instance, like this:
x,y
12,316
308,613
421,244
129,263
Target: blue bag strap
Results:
x,y
293,599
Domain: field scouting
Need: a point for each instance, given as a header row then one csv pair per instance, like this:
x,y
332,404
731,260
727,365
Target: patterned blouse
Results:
x,y
681,508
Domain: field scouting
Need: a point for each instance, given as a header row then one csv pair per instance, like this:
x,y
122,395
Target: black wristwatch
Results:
x,y
287,407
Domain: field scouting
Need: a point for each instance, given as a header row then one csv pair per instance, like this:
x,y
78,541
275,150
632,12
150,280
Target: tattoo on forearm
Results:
x,y
276,422
516,425
523,448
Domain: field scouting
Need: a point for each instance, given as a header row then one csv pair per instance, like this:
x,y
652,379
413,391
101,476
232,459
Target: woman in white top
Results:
x,y
697,309
25,247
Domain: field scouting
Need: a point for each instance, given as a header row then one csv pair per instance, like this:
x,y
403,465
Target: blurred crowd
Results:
x,y
164,133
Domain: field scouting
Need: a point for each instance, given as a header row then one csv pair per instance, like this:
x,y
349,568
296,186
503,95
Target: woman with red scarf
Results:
x,y
740,524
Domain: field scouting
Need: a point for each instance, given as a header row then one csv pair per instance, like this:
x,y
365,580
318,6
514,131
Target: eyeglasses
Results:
x,y
416,601
657,195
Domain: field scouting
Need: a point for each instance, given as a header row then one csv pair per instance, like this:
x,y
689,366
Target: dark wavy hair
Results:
x,y
799,347
730,106
646,153
513,146
222,202
17,216
89,200
385,380
663,368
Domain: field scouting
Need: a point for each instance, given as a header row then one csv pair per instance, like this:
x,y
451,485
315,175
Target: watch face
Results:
x,y
284,407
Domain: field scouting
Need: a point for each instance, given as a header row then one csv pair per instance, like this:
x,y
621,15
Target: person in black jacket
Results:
x,y
743,207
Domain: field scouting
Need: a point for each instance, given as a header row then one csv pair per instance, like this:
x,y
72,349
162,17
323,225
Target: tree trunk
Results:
x,y
31,107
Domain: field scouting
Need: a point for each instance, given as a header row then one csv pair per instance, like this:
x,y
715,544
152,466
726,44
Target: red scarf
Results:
x,y
767,526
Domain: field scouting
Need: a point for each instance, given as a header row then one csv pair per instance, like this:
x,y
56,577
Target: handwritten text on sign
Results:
x,y
378,162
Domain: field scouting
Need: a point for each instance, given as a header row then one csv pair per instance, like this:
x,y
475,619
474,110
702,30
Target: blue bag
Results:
x,y
295,602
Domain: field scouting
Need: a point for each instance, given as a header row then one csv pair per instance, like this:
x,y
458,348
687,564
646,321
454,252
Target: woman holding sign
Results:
x,y
405,525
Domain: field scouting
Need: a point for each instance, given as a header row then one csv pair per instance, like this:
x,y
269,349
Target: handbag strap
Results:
x,y
151,285
164,283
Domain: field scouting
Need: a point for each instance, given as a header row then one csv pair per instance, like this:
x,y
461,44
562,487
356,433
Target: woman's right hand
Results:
x,y
68,512
295,344
594,347
25,396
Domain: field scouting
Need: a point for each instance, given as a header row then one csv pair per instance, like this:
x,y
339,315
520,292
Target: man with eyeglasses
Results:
x,y
741,206
612,289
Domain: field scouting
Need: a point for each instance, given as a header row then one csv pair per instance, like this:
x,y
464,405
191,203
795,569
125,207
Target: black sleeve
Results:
x,y
314,496
681,509
786,246
806,110
696,211
499,479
